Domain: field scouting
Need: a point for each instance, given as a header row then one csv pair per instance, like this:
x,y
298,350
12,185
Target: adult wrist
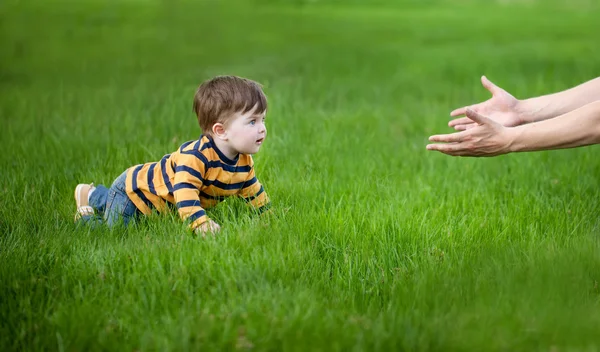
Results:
x,y
525,112
514,139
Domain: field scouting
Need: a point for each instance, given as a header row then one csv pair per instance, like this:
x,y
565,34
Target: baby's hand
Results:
x,y
207,227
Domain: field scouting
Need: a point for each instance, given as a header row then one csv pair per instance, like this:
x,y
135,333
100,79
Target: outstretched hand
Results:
x,y
501,107
486,138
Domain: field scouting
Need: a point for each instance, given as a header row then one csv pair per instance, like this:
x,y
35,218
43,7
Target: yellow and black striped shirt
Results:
x,y
195,177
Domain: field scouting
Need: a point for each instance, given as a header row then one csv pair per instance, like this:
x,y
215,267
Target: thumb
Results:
x,y
489,85
477,117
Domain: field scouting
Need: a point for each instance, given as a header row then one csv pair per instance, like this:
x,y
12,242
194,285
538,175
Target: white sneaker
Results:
x,y
82,192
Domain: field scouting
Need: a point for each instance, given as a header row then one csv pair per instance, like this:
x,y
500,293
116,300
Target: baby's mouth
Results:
x,y
260,140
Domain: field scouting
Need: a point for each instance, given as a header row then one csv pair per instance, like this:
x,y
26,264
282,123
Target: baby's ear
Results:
x,y
218,130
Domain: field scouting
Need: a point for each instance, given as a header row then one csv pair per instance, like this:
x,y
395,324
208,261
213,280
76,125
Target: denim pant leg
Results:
x,y
111,204
97,201
118,205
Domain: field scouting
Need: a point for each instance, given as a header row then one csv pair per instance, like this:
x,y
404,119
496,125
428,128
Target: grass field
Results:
x,y
375,243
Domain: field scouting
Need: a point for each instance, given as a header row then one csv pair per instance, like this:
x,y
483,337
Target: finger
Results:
x,y
206,228
459,111
448,138
463,111
214,227
477,117
465,127
455,149
460,121
443,148
201,232
489,85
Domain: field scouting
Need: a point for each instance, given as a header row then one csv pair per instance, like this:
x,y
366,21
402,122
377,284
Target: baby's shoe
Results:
x,y
82,193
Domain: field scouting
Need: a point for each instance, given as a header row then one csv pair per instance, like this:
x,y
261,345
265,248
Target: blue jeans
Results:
x,y
112,205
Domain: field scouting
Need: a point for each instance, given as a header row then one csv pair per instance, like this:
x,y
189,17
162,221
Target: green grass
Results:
x,y
375,243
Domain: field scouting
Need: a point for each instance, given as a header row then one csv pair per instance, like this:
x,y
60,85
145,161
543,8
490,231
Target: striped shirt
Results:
x,y
195,177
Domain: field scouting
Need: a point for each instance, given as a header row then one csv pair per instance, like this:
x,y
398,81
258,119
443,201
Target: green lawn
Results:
x,y
375,243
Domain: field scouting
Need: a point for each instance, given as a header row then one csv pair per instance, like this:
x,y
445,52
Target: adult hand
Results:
x,y
207,227
487,138
501,107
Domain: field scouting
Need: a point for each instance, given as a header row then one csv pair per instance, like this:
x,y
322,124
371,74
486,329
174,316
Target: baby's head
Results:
x,y
233,110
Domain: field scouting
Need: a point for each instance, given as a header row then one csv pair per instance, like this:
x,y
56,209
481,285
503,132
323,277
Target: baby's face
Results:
x,y
246,132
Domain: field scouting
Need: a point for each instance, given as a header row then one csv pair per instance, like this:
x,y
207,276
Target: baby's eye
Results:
x,y
252,122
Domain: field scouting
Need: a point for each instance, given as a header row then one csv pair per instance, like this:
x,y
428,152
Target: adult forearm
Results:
x,y
552,105
574,129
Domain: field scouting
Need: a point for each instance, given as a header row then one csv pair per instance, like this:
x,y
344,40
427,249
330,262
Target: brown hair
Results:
x,y
218,98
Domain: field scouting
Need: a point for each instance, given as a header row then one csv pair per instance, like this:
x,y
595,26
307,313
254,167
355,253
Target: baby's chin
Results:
x,y
252,150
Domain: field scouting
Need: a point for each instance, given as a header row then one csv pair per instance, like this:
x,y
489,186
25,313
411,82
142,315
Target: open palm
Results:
x,y
502,107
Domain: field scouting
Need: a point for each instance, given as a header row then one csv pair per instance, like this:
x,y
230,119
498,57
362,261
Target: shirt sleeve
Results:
x,y
189,178
254,193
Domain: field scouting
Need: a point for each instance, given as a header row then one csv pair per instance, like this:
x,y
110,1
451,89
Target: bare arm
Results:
x,y
552,105
577,128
